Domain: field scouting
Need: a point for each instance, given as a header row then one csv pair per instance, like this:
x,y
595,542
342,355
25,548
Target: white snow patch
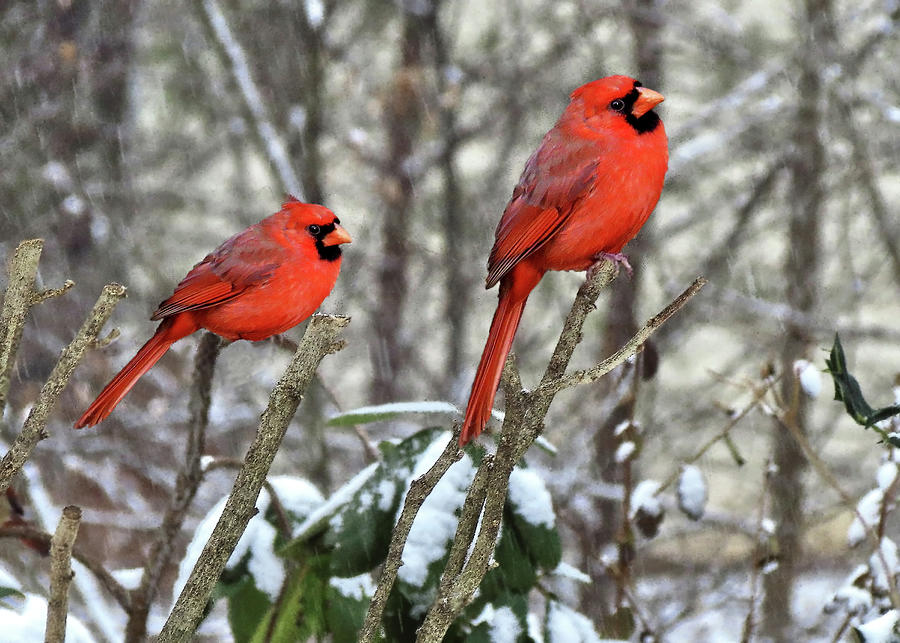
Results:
x,y
399,407
29,620
624,451
692,491
809,376
315,12
882,629
568,571
535,631
385,492
545,444
565,625
877,563
435,525
621,427
886,475
767,525
297,496
530,498
129,578
356,587
869,507
644,497
505,627
854,600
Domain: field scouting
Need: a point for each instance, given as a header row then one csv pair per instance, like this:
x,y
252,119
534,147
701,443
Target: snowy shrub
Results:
x,y
319,581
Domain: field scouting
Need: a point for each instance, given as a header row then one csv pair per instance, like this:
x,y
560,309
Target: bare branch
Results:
x,y
18,299
61,573
319,340
34,430
631,347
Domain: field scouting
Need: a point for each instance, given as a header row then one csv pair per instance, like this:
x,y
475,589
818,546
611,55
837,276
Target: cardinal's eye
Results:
x,y
617,105
314,230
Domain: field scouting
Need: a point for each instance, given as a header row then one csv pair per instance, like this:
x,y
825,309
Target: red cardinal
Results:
x,y
584,194
259,283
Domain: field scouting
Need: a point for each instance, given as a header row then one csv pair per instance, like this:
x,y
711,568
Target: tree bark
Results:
x,y
801,270
402,117
597,599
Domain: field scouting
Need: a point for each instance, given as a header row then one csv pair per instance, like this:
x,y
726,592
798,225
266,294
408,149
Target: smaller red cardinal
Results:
x,y
259,283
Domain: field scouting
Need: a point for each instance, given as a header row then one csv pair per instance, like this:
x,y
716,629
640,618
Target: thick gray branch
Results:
x,y
18,299
319,340
61,573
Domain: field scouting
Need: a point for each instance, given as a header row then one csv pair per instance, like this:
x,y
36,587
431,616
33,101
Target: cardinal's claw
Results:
x,y
618,259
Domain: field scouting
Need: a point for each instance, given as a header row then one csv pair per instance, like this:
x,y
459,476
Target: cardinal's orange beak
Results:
x,y
647,100
336,237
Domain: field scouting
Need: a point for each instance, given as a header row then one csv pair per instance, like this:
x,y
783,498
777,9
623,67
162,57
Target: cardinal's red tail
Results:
x,y
487,377
169,332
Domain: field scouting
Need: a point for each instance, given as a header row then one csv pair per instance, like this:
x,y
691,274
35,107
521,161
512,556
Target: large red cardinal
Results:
x,y
259,283
584,194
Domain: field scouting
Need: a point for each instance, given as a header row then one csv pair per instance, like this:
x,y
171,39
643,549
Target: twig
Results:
x,y
34,430
319,340
418,491
269,137
189,479
22,271
758,395
50,293
749,622
61,573
631,347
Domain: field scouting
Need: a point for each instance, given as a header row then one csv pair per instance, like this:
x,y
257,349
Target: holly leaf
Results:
x,y
848,391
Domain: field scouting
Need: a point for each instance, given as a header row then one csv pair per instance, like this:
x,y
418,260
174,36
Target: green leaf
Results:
x,y
247,607
346,610
381,412
299,613
9,591
530,514
515,571
360,532
847,390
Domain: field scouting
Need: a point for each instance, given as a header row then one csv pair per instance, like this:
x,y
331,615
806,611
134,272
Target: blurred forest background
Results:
x,y
136,136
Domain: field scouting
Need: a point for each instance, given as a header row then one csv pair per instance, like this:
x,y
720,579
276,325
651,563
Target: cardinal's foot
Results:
x,y
618,259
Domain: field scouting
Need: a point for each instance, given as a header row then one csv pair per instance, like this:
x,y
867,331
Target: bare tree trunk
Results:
x,y
456,288
402,117
802,274
646,23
